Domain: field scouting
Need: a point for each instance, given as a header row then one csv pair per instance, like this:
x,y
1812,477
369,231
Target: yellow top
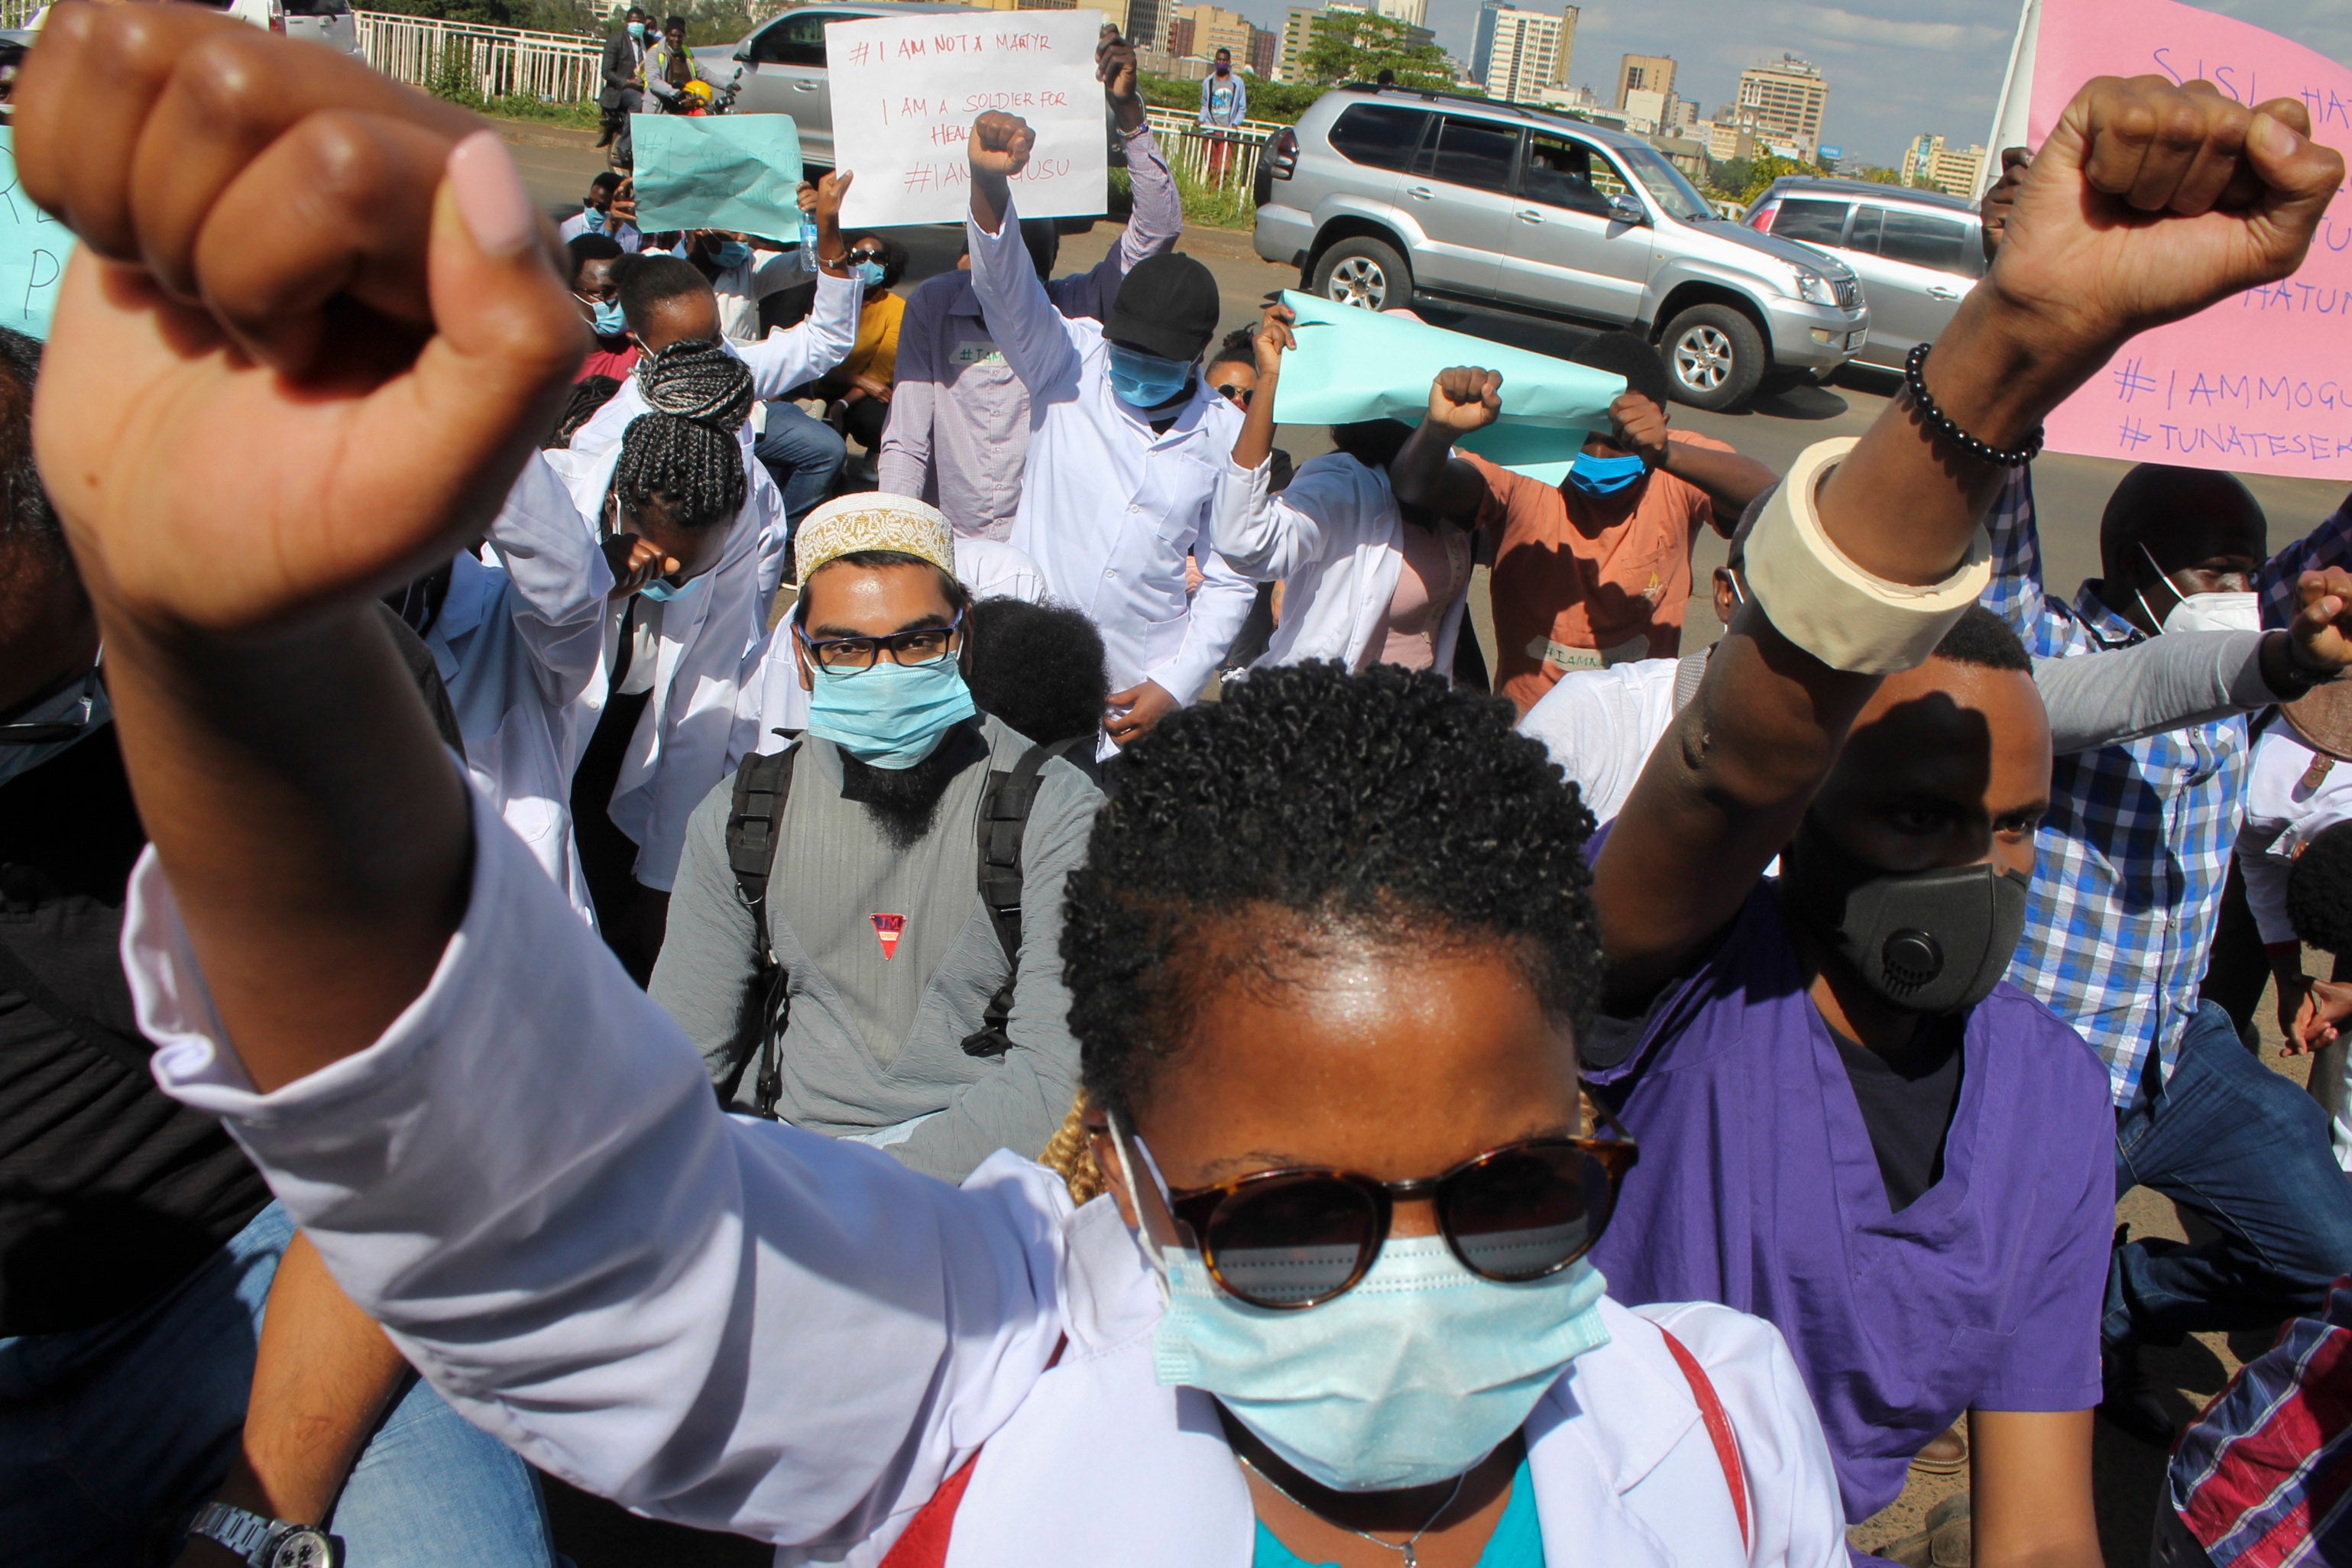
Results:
x,y
875,353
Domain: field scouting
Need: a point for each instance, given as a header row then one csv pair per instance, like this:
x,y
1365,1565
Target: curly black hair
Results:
x,y
2319,890
1038,668
1384,803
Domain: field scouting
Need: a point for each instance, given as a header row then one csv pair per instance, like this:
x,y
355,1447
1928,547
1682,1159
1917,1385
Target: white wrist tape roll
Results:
x,y
1822,602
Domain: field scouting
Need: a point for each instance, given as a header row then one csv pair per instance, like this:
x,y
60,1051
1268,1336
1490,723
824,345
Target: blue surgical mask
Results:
x,y
610,322
1146,381
730,254
869,273
893,715
1604,476
638,31
595,219
662,590
1408,1380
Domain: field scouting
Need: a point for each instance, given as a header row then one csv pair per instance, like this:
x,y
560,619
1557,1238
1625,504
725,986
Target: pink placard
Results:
x,y
2261,383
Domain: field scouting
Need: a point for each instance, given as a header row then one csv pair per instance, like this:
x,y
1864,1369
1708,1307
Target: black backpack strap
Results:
x,y
754,824
127,1053
1003,820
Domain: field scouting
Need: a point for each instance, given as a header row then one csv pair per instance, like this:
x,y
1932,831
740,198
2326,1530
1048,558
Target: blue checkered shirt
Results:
x,y
2135,848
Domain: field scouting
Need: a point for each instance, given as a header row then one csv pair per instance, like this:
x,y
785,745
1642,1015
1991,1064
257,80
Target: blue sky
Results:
x,y
1894,69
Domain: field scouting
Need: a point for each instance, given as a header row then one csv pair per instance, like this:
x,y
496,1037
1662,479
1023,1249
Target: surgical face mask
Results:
x,y
2217,612
49,727
1604,476
1408,1380
1925,941
890,715
1146,381
730,254
662,590
595,217
607,316
638,31
869,273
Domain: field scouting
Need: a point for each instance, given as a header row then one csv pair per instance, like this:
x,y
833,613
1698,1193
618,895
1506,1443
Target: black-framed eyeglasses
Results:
x,y
1234,392
1291,1240
849,656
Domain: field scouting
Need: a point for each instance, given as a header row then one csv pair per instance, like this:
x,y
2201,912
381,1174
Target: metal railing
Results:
x,y
1214,158
560,67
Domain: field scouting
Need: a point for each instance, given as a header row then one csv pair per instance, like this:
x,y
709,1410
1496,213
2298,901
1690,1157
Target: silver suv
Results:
x,y
780,68
1919,252
1381,194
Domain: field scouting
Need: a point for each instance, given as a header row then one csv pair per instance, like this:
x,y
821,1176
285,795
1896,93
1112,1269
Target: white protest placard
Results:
x,y
907,89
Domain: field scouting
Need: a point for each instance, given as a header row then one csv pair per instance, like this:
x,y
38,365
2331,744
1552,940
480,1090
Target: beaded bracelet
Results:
x,y
1915,378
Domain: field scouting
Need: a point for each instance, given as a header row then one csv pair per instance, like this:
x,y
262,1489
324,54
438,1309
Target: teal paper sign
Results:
x,y
1353,364
33,251
735,171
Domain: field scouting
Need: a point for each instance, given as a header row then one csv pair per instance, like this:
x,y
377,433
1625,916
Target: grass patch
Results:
x,y
453,79
1211,208
538,111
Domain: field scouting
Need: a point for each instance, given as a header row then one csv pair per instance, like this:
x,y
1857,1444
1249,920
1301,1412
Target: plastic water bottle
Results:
x,y
808,239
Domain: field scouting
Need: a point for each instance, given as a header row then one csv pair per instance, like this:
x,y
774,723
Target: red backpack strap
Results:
x,y
924,1544
1718,1428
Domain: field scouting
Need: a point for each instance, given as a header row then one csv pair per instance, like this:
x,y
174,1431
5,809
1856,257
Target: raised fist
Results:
x,y
313,332
2150,201
1001,144
1466,398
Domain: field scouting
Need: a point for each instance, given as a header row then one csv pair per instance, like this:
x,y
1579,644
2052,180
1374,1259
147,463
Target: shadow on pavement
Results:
x,y
1803,401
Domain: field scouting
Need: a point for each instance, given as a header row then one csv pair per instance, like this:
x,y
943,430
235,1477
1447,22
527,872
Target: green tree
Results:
x,y
1730,177
1764,171
1356,46
1881,176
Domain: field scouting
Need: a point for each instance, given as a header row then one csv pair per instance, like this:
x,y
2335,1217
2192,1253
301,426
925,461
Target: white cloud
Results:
x,y
1826,22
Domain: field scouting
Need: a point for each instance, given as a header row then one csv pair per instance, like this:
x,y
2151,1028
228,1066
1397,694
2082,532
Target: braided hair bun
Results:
x,y
699,380
686,449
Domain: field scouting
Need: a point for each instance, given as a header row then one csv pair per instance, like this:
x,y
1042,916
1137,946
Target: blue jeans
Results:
x,y
2247,1151
804,455
112,1437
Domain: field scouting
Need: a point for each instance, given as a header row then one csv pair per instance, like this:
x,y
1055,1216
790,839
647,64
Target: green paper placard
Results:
x,y
737,172
1353,364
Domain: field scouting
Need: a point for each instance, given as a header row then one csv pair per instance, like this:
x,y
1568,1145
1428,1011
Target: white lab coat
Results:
x,y
747,1327
779,362
1108,509
2282,815
518,644
1334,538
772,699
679,748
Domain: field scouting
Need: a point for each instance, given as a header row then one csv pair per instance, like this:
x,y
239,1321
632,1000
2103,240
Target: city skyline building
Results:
x,y
1785,99
1644,73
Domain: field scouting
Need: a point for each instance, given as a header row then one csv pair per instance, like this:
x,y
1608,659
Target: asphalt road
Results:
x,y
2070,493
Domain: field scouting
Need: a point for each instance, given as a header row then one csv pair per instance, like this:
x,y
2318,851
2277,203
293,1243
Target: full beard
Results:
x,y
904,803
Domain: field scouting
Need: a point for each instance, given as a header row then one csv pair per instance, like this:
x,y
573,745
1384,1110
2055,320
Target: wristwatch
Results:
x,y
267,1542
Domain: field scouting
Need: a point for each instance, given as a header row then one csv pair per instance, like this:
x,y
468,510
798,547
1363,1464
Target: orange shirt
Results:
x,y
1584,581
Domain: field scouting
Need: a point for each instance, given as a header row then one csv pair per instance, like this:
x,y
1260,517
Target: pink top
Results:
x,y
1435,571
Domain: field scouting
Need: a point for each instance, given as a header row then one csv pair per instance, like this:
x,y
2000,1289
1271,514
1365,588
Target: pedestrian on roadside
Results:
x,y
1225,104
623,94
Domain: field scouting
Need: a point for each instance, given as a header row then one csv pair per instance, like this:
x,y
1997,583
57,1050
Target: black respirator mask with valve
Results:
x,y
1925,941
